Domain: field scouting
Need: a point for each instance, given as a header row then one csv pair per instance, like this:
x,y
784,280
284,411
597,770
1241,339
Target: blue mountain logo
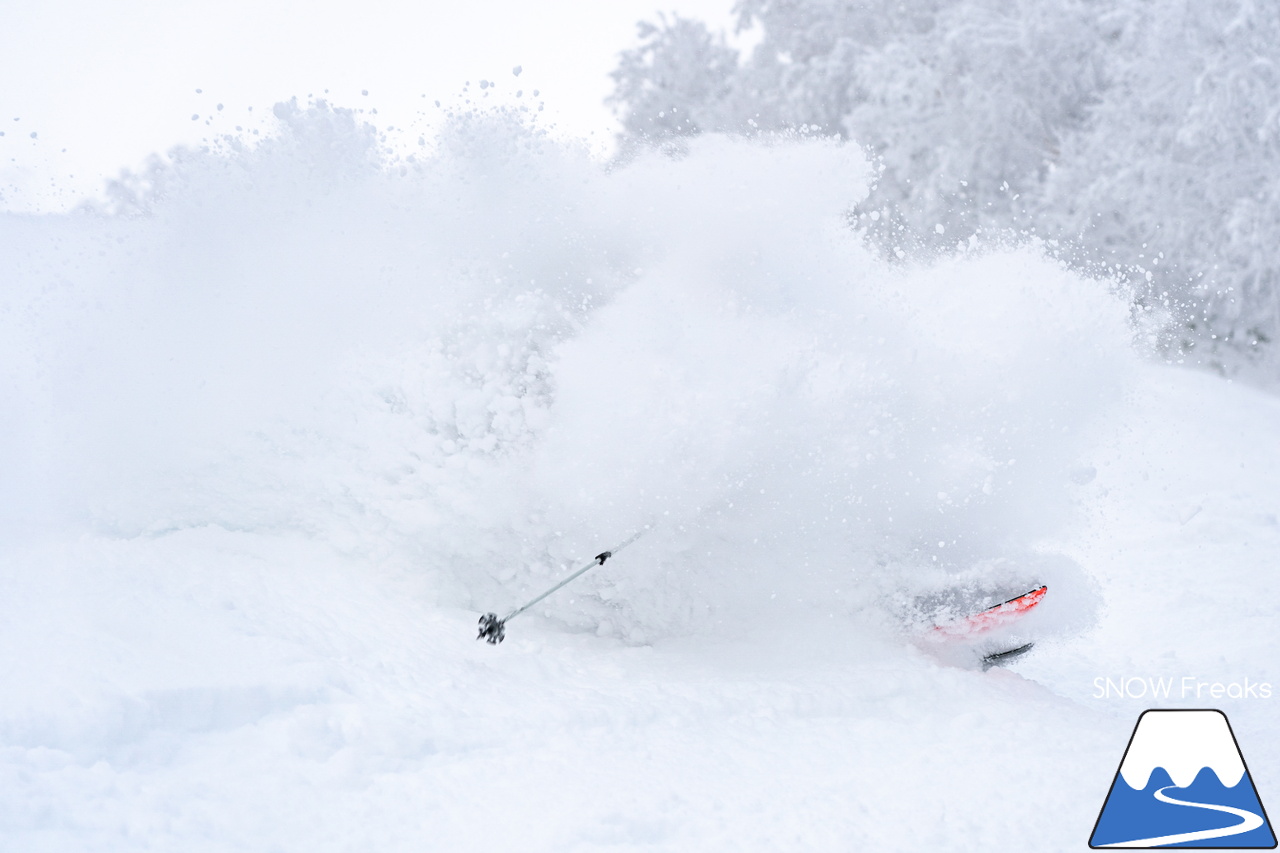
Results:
x,y
1183,783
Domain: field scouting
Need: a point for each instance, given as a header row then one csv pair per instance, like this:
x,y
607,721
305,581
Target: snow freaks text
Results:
x,y
1186,687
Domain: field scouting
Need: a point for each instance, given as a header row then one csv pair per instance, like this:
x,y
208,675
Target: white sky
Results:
x,y
104,83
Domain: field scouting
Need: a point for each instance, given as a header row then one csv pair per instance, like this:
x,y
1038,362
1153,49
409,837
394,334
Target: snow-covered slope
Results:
x,y
277,441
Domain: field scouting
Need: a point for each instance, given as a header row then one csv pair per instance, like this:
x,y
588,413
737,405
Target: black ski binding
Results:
x,y
492,629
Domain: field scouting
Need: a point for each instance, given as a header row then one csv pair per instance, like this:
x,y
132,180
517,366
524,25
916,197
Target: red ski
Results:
x,y
993,617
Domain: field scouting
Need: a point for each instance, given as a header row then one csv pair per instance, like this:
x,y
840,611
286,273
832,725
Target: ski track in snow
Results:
x,y
252,519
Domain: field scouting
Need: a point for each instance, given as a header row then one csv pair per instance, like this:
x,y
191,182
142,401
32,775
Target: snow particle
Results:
x,y
364,92
516,71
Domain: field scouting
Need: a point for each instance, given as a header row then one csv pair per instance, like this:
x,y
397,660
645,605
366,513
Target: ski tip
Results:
x,y
995,616
1019,603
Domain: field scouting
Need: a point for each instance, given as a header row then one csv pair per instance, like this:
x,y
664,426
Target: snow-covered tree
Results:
x,y
672,84
970,115
964,101
1144,132
1179,170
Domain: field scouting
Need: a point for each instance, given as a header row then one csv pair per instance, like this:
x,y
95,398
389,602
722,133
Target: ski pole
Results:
x,y
493,629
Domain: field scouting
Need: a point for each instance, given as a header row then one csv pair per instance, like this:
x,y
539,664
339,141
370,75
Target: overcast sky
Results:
x,y
104,83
